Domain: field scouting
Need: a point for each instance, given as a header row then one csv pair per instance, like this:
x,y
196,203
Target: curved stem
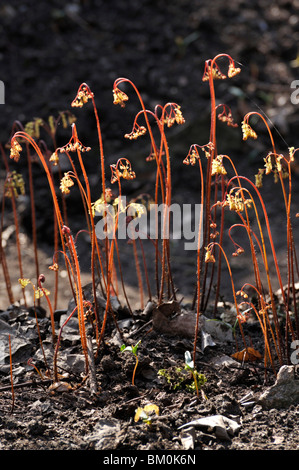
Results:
x,y
134,371
79,293
40,279
198,258
274,257
233,288
110,263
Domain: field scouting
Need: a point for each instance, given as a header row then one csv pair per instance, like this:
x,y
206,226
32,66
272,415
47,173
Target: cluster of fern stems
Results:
x,y
221,189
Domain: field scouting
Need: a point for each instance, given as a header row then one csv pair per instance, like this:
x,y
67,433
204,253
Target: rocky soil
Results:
x,y
240,406
46,51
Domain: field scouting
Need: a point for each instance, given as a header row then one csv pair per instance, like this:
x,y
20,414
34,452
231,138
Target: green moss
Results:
x,y
179,378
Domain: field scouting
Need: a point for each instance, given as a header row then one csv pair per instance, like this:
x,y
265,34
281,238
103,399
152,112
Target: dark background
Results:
x,y
47,49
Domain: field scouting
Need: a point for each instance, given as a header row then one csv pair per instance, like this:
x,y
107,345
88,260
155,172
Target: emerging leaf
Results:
x,y
146,412
188,361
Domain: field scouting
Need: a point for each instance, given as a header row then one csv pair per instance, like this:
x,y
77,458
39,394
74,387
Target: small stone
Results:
x,y
284,392
222,426
187,437
105,435
36,428
224,361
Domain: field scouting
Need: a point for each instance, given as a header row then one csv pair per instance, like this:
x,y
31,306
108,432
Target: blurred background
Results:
x,y
48,48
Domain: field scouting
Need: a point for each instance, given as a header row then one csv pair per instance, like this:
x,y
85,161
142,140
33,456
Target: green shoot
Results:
x,y
199,379
133,350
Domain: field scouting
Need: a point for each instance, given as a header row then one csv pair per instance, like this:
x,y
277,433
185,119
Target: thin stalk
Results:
x,y
3,259
90,221
210,66
274,257
139,277
40,338
71,270
287,201
198,259
79,293
265,335
158,157
134,371
28,138
246,224
219,258
93,235
17,230
109,273
212,244
206,237
145,270
122,278
102,165
33,216
40,280
58,344
166,218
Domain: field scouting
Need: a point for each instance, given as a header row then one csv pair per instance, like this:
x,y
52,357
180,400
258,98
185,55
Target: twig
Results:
x,y
134,333
30,383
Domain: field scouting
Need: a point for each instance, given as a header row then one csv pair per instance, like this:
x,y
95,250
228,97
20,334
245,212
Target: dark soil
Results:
x,y
70,417
46,51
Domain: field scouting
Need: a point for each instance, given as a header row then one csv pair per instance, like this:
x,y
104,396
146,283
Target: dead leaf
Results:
x,y
247,355
169,308
170,320
146,412
223,427
60,387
